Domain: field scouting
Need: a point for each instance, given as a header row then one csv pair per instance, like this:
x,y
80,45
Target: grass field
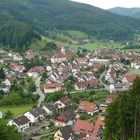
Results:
x,y
98,45
134,71
16,110
76,34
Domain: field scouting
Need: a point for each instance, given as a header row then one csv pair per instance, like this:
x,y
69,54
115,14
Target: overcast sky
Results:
x,y
106,4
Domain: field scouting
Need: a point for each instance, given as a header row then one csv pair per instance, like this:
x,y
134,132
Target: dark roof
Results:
x,y
67,133
66,101
67,115
50,106
37,112
21,120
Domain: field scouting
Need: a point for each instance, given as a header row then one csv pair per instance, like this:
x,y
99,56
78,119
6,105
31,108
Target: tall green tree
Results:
x,y
123,115
8,132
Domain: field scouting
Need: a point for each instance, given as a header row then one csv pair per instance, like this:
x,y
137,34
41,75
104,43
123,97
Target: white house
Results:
x,y
52,87
63,102
49,108
7,82
22,123
35,115
135,64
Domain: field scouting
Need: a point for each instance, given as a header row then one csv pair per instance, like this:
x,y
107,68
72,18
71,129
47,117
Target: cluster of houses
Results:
x,y
84,70
68,120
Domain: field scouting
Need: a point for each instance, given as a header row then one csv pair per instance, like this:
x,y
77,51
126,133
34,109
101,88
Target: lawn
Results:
x,y
16,110
98,45
95,97
134,71
77,34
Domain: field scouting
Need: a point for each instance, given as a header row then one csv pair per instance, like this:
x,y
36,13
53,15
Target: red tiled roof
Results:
x,y
99,123
131,77
79,59
38,69
66,100
52,85
87,106
82,126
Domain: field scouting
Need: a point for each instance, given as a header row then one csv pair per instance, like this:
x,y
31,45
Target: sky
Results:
x,y
106,4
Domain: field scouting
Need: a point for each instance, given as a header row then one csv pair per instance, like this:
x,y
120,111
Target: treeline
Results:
x,y
44,15
15,34
123,116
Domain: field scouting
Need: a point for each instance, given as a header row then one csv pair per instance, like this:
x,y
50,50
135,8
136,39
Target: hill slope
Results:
x,y
44,15
15,34
132,12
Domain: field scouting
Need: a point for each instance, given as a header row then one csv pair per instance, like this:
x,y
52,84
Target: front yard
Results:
x,y
16,110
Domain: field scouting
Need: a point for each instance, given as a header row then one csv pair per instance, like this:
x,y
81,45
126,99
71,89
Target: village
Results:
x,y
71,90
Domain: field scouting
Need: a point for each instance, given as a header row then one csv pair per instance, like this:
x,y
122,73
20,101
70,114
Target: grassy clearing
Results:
x,y
98,45
16,110
77,34
96,96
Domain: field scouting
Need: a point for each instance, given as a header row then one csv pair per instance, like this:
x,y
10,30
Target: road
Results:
x,y
39,92
44,135
102,83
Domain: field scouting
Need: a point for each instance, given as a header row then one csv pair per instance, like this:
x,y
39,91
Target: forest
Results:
x,y
123,116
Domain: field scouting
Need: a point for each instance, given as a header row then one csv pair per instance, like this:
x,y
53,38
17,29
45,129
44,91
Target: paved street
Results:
x,y
39,92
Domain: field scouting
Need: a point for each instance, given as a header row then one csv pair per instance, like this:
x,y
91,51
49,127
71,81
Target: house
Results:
x,y
135,64
36,71
17,58
21,122
90,138
63,102
83,127
13,54
118,87
105,62
89,128
65,118
81,86
8,81
110,98
86,84
17,68
52,87
62,56
88,107
96,66
129,78
49,108
2,51
65,133
111,76
35,115
82,60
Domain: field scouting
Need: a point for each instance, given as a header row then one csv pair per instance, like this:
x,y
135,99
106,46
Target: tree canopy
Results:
x,y
123,115
8,132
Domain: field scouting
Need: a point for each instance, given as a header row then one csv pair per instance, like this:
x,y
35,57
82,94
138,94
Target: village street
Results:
x,y
39,92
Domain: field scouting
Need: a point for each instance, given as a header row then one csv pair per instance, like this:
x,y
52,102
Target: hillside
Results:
x,y
131,12
47,15
15,34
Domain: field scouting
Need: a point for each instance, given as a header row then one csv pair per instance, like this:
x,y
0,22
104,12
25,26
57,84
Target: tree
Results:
x,y
2,74
8,132
8,115
122,120
69,85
